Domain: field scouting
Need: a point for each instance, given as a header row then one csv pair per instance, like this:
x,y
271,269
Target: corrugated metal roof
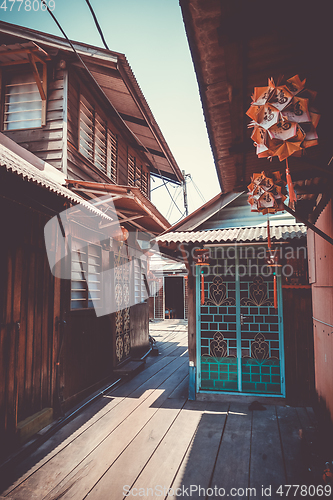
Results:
x,y
49,178
127,198
116,80
235,235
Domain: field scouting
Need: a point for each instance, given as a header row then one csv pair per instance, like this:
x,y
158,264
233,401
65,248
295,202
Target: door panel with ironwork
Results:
x,y
218,340
260,325
240,340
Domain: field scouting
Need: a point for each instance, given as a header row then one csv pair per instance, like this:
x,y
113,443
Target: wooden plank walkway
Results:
x,y
146,437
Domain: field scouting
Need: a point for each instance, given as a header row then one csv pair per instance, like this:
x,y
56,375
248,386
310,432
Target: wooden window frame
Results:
x,y
137,176
131,169
103,151
87,303
112,155
7,69
140,291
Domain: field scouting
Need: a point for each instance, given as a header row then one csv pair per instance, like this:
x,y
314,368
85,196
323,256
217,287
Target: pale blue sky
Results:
x,y
152,36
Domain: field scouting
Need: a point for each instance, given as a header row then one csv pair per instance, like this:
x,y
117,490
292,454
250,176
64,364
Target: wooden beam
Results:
x,y
308,224
120,221
44,101
13,63
307,163
37,77
309,189
24,51
321,204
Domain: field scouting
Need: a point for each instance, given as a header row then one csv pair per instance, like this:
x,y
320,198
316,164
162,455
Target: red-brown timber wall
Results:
x,y
29,305
321,279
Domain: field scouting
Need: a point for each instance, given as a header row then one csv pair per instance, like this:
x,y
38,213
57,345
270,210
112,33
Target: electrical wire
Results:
x,y
105,44
91,75
166,186
179,219
171,204
99,29
198,191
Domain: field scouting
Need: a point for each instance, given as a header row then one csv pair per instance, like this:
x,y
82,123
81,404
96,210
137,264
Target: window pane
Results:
x,y
112,156
23,104
100,143
94,275
130,170
78,281
86,129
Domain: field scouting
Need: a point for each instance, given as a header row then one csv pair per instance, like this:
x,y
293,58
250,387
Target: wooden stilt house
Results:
x,y
80,119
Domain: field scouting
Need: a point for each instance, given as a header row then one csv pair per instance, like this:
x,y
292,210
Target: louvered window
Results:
x,y
22,102
140,276
86,277
100,142
112,156
87,131
159,306
137,176
130,170
93,135
144,183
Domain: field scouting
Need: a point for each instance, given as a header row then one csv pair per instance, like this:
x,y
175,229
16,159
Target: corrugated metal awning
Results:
x,y
131,205
235,235
44,175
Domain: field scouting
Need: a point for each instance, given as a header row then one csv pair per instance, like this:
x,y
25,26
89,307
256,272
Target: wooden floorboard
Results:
x,y
266,465
181,391
123,472
291,443
198,464
76,449
232,465
82,479
144,433
163,466
87,418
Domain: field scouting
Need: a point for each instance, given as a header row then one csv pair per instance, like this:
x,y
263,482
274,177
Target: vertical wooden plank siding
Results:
x,y
298,340
321,266
26,320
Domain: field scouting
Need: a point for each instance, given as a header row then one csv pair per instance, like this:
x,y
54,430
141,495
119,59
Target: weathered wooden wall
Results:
x,y
321,279
29,305
298,345
139,327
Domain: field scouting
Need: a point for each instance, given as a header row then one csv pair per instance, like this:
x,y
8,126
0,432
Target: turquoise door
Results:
x,y
239,332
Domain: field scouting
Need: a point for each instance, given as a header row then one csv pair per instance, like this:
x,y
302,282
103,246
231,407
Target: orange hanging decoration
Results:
x,y
275,292
284,123
268,236
202,289
292,195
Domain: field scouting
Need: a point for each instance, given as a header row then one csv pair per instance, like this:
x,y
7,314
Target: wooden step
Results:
x,y
31,425
130,368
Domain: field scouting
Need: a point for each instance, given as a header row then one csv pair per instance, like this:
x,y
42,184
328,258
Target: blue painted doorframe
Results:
x,y
239,340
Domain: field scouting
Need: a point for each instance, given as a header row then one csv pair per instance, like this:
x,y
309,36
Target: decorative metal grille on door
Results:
x,y
122,298
240,330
